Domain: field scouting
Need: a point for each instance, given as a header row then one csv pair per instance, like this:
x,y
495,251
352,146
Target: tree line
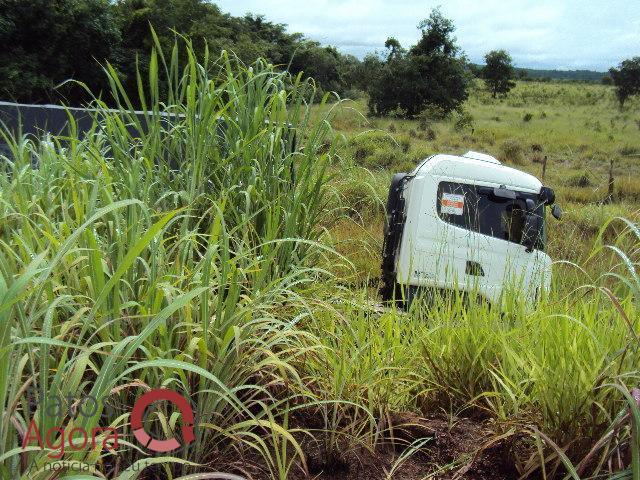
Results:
x,y
47,42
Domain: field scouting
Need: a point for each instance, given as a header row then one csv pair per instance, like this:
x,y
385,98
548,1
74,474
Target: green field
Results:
x,y
247,282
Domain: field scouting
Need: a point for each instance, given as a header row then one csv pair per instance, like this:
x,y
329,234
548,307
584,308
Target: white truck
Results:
x,y
466,223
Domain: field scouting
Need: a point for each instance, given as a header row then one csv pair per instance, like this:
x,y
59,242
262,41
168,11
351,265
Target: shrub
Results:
x,y
366,144
379,150
485,136
462,120
512,151
392,128
527,117
536,147
398,112
432,113
580,180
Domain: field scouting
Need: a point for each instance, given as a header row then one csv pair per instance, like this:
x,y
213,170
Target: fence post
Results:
x,y
611,188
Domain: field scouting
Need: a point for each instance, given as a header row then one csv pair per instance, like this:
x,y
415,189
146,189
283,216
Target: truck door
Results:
x,y
484,235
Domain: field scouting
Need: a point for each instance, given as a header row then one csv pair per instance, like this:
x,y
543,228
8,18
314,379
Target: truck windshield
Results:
x,y
477,209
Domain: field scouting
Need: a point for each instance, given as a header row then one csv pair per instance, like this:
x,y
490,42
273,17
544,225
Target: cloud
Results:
x,y
538,33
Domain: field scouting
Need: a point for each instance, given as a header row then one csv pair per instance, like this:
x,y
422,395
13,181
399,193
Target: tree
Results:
x,y
431,73
248,37
475,70
498,72
320,63
395,49
49,41
626,78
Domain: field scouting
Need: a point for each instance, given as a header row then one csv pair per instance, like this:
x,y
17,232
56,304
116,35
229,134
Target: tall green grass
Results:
x,y
171,251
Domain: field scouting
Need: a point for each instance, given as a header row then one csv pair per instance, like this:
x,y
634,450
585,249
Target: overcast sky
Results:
x,y
567,34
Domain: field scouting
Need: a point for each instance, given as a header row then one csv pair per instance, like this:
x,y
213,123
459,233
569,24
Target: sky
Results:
x,y
566,35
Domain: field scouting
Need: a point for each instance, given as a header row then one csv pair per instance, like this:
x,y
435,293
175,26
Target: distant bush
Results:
x,y
432,113
536,147
377,150
580,180
485,136
462,120
392,128
397,112
527,117
365,144
512,151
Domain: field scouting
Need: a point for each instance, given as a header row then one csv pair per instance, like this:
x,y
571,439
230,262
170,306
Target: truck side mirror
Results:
x,y
547,195
556,211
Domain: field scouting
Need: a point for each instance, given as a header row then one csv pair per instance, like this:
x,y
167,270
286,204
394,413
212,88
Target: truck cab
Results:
x,y
466,223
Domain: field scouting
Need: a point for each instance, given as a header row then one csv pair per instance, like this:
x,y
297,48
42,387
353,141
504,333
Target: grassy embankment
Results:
x,y
118,274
